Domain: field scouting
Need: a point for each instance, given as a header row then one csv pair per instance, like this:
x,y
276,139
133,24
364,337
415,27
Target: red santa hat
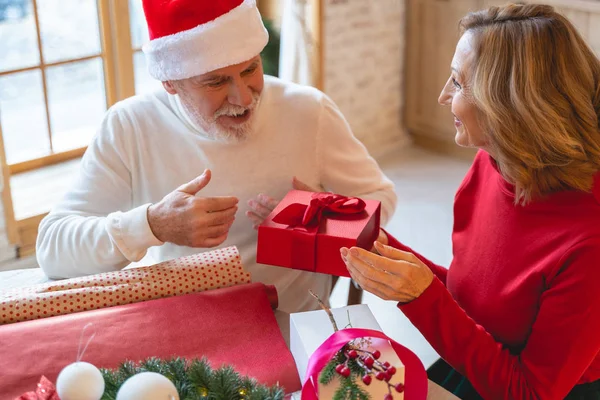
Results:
x,y
193,37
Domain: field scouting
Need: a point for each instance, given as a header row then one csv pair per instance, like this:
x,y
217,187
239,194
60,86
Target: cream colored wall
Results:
x,y
363,62
432,37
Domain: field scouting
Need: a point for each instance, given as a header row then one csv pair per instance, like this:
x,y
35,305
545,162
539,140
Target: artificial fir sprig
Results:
x,y
194,380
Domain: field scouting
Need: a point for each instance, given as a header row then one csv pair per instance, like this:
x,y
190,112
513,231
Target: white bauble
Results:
x,y
148,386
80,381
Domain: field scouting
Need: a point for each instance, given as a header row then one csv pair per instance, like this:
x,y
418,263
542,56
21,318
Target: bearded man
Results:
x,y
168,172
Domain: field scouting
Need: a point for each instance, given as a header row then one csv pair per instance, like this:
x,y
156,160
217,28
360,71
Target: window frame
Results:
x,y
116,53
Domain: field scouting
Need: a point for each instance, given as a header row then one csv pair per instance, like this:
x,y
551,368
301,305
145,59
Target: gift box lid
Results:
x,y
342,223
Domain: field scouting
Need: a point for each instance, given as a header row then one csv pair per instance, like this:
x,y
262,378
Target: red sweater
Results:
x,y
518,311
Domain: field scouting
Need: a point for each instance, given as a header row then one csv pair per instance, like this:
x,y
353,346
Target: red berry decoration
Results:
x,y
376,354
352,354
380,375
388,397
367,379
339,368
386,364
345,372
369,362
399,388
391,370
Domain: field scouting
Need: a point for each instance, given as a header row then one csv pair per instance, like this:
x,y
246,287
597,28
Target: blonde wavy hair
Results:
x,y
537,84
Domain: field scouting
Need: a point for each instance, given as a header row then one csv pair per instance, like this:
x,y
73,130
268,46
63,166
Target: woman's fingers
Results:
x,y
394,253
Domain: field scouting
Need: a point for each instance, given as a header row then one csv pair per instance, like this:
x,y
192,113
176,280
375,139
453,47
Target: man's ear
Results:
x,y
169,87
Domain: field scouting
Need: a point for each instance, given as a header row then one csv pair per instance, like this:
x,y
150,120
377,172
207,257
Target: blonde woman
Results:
x,y
517,315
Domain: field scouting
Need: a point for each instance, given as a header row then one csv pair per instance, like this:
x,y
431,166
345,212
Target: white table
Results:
x,y
21,277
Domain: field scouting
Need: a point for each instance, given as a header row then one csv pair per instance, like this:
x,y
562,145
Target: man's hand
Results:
x,y
185,219
260,208
263,205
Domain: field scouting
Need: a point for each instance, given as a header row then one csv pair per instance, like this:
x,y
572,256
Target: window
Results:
x,y
139,36
63,63
49,69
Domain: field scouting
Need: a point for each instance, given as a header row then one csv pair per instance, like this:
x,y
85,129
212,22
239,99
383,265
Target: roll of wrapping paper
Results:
x,y
234,326
205,271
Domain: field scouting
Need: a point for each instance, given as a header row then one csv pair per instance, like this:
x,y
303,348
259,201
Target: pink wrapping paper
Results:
x,y
211,270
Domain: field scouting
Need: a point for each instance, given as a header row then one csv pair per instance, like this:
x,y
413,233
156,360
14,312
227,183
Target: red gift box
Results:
x,y
234,326
306,231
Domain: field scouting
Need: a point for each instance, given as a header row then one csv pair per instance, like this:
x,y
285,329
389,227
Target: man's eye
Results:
x,y
216,84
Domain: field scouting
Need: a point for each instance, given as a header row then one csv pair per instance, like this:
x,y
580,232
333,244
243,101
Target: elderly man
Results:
x,y
168,172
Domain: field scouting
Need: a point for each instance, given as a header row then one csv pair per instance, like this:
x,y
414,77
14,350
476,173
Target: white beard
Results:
x,y
214,130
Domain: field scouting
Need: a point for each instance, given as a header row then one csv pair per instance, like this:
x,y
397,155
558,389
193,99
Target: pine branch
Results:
x,y
328,373
127,369
260,393
340,394
350,390
225,384
199,374
345,389
152,365
176,372
112,383
357,393
355,367
257,392
193,381
276,393
250,385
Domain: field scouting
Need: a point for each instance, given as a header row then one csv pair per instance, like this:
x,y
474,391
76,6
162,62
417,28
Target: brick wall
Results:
x,y
364,67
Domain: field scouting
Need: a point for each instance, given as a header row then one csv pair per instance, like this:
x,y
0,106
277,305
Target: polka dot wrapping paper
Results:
x,y
205,271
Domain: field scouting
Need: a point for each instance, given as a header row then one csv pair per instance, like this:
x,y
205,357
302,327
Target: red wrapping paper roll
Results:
x,y
234,326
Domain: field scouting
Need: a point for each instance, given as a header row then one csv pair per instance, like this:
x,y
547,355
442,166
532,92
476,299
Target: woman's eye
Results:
x,y
216,84
456,84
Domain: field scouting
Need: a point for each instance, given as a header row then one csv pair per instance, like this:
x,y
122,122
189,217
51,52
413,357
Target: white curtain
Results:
x,y
296,58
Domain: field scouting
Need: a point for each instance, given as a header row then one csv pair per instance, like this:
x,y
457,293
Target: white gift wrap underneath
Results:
x,y
308,330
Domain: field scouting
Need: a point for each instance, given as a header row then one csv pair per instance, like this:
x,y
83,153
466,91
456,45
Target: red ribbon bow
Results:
x,y
310,216
304,221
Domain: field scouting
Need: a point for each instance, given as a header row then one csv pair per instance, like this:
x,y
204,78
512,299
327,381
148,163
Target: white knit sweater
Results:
x,y
147,146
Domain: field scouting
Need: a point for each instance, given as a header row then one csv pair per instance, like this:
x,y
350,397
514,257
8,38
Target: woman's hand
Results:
x,y
392,275
381,239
